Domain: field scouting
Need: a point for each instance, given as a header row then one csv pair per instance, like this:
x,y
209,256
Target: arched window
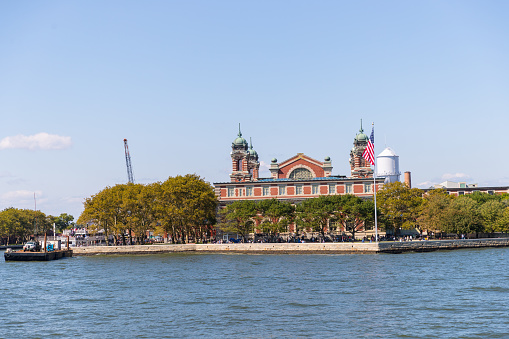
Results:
x,y
301,173
239,165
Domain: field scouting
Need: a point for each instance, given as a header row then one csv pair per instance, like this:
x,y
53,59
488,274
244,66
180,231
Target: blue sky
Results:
x,y
176,77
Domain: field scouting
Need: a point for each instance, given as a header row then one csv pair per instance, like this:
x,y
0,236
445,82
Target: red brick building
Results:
x,y
297,178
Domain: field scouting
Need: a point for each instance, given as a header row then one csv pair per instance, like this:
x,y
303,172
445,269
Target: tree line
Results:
x,y
311,215
398,208
19,225
438,211
183,207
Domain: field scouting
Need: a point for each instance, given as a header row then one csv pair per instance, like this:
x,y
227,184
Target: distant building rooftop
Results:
x,y
452,184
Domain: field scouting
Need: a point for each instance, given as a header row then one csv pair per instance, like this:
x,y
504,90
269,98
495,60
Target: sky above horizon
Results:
x,y
175,78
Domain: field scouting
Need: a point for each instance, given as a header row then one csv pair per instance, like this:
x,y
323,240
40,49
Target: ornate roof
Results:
x,y
361,137
240,141
251,151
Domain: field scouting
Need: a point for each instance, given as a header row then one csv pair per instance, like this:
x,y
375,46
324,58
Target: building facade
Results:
x,y
295,179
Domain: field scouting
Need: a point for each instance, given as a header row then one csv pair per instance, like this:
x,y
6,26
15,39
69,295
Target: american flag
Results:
x,y
369,152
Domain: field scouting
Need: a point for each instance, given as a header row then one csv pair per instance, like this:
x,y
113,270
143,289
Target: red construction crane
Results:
x,y
130,177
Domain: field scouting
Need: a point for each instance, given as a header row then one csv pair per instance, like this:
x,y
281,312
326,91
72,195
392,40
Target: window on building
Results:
x,y
301,173
249,191
332,188
348,189
282,190
461,193
298,189
314,189
367,188
240,192
490,192
265,190
231,192
239,165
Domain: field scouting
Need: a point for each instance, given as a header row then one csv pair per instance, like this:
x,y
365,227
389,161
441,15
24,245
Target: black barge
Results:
x,y
32,252
36,256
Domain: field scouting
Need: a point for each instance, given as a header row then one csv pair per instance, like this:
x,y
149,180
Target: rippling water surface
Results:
x,y
446,294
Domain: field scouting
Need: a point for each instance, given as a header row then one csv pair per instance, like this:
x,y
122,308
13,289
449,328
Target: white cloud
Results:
x,y
43,141
264,170
426,184
264,165
455,176
20,198
21,195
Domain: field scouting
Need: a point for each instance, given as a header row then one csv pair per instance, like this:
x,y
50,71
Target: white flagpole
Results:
x,y
374,187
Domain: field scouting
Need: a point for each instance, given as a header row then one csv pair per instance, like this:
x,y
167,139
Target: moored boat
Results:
x,y
32,252
36,256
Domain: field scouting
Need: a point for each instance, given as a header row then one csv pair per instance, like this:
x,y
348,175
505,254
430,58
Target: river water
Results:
x,y
444,294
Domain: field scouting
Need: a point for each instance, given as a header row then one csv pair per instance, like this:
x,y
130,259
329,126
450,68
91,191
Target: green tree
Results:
x,y
12,226
492,213
356,213
62,222
276,215
238,217
483,197
462,216
187,205
435,204
146,214
314,214
103,212
137,205
17,225
44,224
400,205
502,223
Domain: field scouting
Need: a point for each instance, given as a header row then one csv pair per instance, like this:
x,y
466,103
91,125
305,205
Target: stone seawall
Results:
x,y
302,248
134,249
256,248
435,245
259,248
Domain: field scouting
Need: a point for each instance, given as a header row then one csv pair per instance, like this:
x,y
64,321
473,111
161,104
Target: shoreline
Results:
x,y
296,248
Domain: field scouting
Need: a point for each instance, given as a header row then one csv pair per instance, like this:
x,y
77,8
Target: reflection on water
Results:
x,y
451,294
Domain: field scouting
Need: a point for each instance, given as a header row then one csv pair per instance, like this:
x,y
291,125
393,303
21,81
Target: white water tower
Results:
x,y
387,166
